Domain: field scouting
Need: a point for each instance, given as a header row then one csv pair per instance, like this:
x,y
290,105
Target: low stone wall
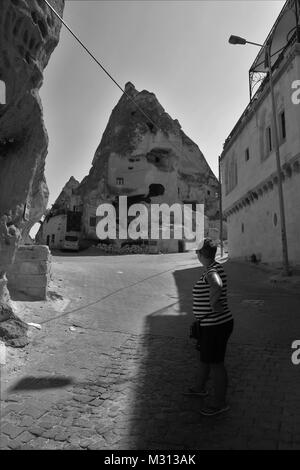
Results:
x,y
30,273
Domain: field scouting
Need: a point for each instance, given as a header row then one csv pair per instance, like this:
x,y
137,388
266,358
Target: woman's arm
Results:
x,y
215,283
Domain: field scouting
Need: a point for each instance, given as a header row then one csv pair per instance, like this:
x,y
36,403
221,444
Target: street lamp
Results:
x,y
242,41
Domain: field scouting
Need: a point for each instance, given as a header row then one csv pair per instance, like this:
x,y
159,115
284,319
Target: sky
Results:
x,y
178,50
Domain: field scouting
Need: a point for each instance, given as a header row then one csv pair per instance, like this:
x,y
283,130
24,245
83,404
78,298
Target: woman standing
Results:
x,y
216,325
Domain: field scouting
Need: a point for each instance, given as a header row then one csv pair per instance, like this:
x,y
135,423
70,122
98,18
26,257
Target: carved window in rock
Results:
x,y
231,174
119,181
2,93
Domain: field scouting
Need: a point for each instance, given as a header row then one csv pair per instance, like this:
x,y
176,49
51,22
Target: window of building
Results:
x,y
282,125
243,228
247,154
208,192
231,174
92,221
120,181
53,239
275,220
269,139
151,127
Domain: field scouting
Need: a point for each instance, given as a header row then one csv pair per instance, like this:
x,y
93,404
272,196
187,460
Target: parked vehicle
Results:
x,y
71,242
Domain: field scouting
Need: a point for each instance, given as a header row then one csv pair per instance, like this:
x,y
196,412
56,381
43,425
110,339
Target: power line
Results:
x,y
95,302
99,63
180,150
110,76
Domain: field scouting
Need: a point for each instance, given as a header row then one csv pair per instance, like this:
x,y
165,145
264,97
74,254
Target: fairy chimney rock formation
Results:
x,y
66,198
143,150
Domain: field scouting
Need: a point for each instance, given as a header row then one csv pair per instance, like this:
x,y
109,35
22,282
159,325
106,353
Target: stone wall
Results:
x,y
30,272
252,207
255,228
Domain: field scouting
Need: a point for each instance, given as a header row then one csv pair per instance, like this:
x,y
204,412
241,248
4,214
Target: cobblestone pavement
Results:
x,y
98,387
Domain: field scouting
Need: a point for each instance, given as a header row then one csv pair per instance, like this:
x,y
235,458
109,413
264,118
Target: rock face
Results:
x,y
141,160
67,198
29,32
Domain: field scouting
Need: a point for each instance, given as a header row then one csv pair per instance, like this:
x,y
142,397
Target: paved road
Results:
x,y
107,370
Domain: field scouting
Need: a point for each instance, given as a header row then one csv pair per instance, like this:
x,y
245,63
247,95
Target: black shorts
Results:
x,y
213,342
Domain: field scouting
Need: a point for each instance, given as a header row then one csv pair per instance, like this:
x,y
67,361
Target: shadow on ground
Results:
x,y
162,413
83,252
260,378
40,383
21,296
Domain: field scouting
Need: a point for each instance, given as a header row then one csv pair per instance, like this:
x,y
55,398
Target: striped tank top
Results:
x,y
201,304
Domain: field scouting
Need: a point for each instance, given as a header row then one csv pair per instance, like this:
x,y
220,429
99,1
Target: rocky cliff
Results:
x,y
29,32
148,158
67,198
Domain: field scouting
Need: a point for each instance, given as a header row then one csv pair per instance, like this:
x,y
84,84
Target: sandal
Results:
x,y
212,410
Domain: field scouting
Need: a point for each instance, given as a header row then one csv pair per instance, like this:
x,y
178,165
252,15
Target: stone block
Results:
x,y
30,252
24,281
38,293
31,267
30,273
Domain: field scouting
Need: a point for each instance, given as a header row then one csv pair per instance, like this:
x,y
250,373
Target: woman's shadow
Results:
x,y
162,413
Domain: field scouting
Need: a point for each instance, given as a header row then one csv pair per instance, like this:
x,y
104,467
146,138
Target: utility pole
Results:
x,y
284,244
220,207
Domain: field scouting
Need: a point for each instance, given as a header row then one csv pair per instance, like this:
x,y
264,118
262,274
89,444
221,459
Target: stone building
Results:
x,y
63,221
148,163
248,161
